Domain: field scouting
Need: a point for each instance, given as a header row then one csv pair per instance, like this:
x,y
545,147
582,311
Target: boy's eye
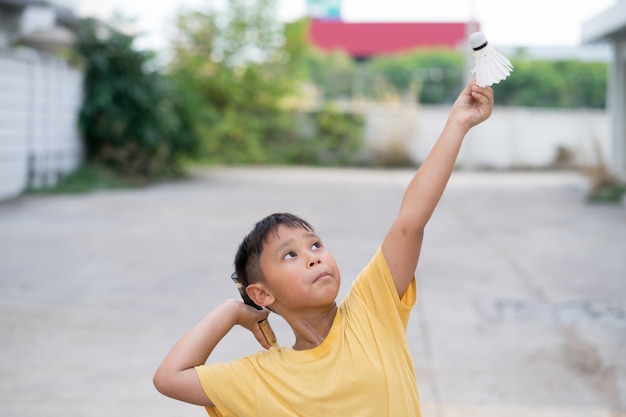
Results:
x,y
289,255
316,245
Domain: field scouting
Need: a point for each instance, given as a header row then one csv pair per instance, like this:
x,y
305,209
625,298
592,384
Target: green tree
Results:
x,y
437,72
133,120
436,76
237,68
334,73
554,84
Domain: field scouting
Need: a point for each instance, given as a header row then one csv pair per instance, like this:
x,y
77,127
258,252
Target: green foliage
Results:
x,y
337,139
564,83
133,119
609,192
334,73
296,50
327,137
437,72
239,87
436,77
229,67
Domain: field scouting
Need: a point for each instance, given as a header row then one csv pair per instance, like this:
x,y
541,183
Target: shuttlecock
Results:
x,y
490,67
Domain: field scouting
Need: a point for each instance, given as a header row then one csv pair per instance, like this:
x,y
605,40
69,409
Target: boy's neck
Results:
x,y
311,332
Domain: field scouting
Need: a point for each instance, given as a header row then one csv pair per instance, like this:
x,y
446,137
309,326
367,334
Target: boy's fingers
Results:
x,y
258,334
484,96
480,90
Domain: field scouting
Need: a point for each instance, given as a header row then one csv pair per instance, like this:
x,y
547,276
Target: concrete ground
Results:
x,y
522,308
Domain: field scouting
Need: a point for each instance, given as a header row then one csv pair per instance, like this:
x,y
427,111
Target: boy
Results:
x,y
347,360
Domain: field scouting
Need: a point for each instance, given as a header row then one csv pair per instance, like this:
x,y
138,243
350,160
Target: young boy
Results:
x,y
350,359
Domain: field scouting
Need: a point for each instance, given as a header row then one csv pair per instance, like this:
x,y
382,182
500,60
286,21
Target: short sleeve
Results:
x,y
234,381
376,288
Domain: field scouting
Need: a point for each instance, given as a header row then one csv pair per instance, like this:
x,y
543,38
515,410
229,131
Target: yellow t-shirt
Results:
x,y
362,369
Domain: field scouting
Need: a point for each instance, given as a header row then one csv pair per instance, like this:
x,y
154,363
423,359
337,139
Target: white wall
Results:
x,y
14,135
617,105
512,138
39,107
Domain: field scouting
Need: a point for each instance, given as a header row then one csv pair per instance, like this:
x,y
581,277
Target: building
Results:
x,y
610,26
41,95
366,40
42,25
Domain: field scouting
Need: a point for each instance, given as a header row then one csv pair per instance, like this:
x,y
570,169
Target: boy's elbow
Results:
x,y
159,382
182,386
163,382
410,227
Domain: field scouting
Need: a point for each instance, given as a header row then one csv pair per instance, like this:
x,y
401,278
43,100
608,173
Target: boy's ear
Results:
x,y
259,294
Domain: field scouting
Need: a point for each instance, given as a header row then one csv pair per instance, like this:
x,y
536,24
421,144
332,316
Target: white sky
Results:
x,y
504,22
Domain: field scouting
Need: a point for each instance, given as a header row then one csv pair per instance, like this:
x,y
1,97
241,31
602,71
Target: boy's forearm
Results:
x,y
473,106
176,376
194,348
428,184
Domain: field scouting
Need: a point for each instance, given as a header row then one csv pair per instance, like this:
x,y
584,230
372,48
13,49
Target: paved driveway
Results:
x,y
522,306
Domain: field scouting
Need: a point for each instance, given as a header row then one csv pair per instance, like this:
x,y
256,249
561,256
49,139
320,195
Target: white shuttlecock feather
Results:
x,y
490,67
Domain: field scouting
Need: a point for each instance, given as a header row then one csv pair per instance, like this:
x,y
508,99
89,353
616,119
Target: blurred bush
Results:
x,y
554,84
134,120
241,68
435,76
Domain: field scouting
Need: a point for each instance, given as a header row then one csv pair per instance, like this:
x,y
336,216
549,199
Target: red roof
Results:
x,y
362,40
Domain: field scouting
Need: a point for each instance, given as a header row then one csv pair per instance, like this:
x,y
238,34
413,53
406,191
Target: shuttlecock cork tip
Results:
x,y
477,40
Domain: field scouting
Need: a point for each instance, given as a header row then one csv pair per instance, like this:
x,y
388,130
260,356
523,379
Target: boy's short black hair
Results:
x,y
248,257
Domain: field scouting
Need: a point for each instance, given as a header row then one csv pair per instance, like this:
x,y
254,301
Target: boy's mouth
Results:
x,y
322,276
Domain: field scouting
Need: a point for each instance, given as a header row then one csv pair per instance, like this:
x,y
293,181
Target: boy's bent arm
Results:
x,y
402,244
176,376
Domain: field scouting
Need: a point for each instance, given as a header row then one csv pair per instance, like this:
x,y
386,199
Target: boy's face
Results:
x,y
299,271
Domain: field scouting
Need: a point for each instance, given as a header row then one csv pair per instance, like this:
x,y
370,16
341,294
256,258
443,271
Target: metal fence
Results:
x,y
40,99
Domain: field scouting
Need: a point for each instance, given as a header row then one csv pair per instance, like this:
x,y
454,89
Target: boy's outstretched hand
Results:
x,y
473,106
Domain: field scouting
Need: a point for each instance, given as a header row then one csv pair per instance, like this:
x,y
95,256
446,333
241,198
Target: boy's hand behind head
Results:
x,y
249,317
473,106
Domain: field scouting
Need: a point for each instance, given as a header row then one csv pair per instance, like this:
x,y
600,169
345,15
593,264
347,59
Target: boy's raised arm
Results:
x,y
402,244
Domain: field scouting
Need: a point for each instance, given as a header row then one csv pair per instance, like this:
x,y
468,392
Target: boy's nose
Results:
x,y
314,261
